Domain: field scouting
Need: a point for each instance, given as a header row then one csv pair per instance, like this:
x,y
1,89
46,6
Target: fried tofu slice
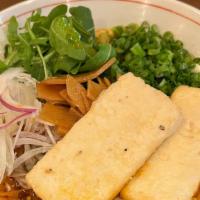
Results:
x,y
124,126
198,196
188,100
173,172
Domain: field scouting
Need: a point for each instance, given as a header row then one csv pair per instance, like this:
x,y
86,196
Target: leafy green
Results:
x,y
64,63
75,70
39,50
104,54
60,10
60,43
42,23
3,66
12,34
36,71
40,41
12,59
82,20
24,51
65,39
36,15
115,72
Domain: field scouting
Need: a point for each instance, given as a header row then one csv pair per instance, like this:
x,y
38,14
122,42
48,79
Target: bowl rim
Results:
x,y
142,2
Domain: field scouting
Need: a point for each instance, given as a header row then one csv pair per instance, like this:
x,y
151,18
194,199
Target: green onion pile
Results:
x,y
161,60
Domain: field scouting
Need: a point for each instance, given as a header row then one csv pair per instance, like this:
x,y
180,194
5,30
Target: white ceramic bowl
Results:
x,y
172,15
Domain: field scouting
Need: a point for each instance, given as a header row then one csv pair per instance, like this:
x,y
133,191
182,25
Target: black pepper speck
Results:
x,y
161,127
48,171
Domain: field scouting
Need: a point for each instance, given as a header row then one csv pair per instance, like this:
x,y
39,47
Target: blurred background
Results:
x,y
7,3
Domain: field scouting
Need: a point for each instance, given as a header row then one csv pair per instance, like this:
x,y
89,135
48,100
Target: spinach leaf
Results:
x,y
38,23
64,63
24,51
3,66
38,27
36,71
47,58
7,50
82,20
65,39
12,59
40,41
75,70
89,49
59,10
38,48
42,23
105,52
12,34
54,44
20,54
36,15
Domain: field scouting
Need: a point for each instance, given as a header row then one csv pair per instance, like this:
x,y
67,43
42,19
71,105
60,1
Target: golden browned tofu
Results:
x,y
198,195
188,100
108,145
173,172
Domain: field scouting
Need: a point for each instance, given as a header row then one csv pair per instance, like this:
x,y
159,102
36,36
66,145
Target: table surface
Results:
x,y
7,3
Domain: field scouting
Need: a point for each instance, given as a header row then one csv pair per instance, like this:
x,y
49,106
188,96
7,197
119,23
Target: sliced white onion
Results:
x,y
35,136
41,130
23,141
17,96
29,154
14,119
18,103
2,154
22,182
10,156
45,122
28,124
10,104
30,162
50,134
38,128
39,156
18,133
18,91
20,169
14,175
7,76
